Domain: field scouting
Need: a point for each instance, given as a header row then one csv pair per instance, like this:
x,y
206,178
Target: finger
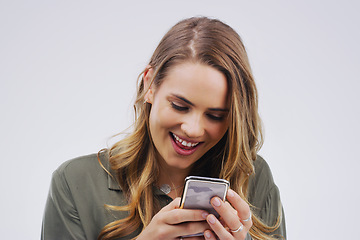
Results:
x,y
191,238
227,213
177,216
231,207
172,205
209,235
191,230
217,228
171,214
242,208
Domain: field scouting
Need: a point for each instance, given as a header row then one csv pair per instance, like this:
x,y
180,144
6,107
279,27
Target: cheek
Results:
x,y
217,131
162,117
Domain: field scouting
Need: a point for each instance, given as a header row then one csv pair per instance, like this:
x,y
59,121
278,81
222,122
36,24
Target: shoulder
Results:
x,y
79,189
261,183
262,171
82,163
81,170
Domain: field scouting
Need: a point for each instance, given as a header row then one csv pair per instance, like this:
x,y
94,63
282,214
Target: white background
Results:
x,y
68,71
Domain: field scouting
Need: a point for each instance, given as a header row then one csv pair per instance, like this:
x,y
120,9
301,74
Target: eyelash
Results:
x,y
215,118
183,109
179,108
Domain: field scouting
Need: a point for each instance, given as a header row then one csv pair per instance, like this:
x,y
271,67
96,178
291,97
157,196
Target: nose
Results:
x,y
192,126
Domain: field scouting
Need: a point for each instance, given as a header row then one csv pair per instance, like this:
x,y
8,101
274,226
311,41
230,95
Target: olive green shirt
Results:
x,y
81,187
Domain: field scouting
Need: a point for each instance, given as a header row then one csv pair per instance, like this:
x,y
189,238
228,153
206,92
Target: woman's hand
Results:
x,y
235,218
172,223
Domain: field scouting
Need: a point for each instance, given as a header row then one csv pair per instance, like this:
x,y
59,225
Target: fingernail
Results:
x,y
204,214
207,235
212,219
230,193
216,202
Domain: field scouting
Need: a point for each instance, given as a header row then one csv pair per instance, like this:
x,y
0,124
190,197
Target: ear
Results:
x,y
148,75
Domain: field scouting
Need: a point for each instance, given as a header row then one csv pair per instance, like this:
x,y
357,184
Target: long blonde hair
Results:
x,y
210,42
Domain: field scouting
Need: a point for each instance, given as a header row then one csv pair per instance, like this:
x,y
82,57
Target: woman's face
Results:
x,y
189,113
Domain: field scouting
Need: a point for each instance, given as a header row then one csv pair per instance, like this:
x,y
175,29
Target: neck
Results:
x,y
174,177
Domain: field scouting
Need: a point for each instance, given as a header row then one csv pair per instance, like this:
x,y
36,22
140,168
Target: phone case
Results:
x,y
198,192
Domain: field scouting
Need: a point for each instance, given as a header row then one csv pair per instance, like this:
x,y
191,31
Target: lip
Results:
x,y
182,151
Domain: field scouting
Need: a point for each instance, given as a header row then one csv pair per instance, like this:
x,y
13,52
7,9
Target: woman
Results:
x,y
196,114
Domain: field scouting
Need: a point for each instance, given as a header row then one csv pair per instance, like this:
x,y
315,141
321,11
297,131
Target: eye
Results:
x,y
215,117
178,107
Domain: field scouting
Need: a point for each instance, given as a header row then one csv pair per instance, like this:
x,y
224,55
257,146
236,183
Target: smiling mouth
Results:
x,y
184,145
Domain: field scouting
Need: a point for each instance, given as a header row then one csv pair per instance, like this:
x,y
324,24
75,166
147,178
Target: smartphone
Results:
x,y
198,192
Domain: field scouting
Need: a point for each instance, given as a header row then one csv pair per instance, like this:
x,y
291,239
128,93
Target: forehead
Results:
x,y
199,83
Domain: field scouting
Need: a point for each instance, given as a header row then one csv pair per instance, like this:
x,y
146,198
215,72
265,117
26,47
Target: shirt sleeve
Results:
x,y
264,195
61,219
269,213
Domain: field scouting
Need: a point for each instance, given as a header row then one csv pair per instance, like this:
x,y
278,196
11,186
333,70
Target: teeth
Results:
x,y
184,143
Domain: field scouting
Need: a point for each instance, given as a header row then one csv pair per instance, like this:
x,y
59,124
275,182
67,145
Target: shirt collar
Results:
x,y
112,182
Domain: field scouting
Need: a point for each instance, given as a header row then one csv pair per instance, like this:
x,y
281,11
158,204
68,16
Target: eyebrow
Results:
x,y
190,103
